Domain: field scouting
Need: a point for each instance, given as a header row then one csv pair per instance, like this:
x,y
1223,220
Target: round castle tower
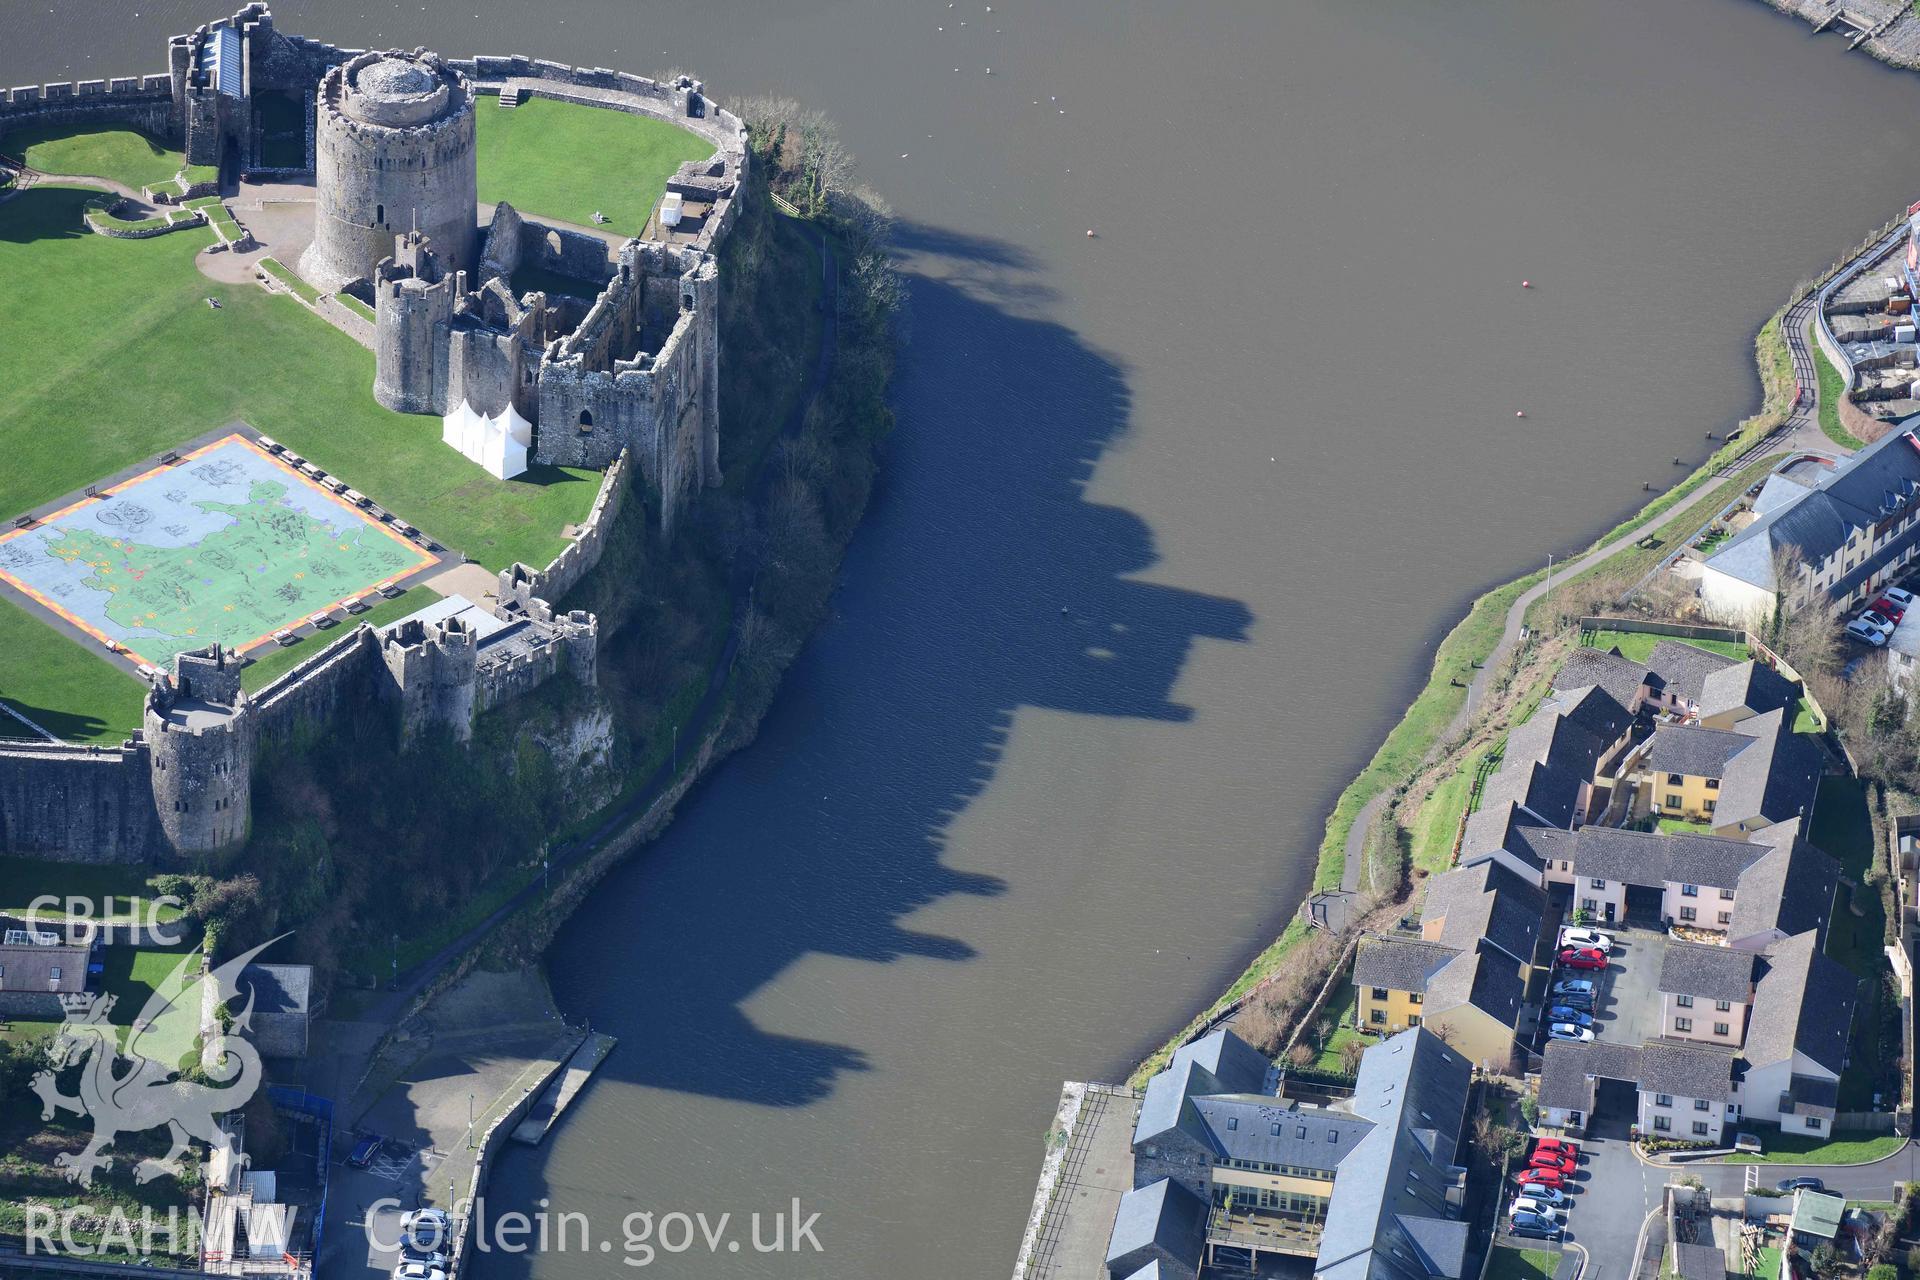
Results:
x,y
201,742
393,150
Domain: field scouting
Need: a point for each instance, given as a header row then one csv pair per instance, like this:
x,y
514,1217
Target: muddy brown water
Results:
x,y
1171,524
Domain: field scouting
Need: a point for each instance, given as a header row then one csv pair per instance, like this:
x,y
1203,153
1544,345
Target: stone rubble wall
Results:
x,y
75,803
578,557
145,102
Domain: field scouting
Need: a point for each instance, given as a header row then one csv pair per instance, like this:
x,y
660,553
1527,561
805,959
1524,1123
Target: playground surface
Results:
x,y
227,543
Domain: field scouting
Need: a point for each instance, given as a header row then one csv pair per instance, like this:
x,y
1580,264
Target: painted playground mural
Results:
x,y
228,544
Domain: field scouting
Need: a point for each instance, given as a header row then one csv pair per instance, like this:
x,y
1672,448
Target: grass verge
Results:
x,y
117,152
1522,1264
1832,388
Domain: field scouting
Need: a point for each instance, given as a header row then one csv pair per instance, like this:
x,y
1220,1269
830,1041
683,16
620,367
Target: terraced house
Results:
x,y
1230,1173
1732,781
1469,974
1840,534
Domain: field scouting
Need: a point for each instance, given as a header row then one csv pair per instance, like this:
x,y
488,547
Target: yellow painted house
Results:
x,y
1734,781
1467,975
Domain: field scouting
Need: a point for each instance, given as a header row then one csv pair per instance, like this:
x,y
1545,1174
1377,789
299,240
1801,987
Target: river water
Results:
x,y
1172,521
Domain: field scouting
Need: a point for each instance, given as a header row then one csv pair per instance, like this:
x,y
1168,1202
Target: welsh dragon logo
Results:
x,y
153,1091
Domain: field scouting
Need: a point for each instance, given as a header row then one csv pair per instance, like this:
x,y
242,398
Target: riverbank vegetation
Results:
x,y
1832,388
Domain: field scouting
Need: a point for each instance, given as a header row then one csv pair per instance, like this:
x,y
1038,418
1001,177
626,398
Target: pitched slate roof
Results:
x,y
1482,977
1501,826
1691,750
1550,792
1268,1130
1568,1067
1789,890
1398,963
1854,495
1754,686
1682,668
1653,858
1621,677
1160,1216
1812,1091
1777,778
1709,973
1486,900
1218,1063
1687,1070
1803,1002
1383,1222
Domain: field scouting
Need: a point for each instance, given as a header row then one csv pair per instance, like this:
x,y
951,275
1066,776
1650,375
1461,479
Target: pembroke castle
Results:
x,y
619,374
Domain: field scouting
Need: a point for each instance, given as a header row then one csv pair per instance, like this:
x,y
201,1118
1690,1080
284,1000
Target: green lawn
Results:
x,y
354,305
67,687
1843,1147
133,976
270,664
144,364
285,275
566,161
1637,646
1832,387
1522,1264
24,879
1340,1010
1438,821
1766,1264
106,151
1681,827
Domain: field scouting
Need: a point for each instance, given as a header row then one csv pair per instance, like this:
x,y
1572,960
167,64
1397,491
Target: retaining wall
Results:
x,y
589,543
145,102
78,804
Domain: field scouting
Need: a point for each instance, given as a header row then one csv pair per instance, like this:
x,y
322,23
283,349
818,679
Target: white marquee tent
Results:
x,y
499,443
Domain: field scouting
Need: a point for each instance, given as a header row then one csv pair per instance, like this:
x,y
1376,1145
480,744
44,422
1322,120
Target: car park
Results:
x,y
1580,936
1567,1031
1534,1226
1583,958
1567,988
1860,630
1554,1179
1803,1184
1567,1013
1553,1197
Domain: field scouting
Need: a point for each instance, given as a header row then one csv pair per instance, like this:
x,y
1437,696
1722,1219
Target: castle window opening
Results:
x,y
586,420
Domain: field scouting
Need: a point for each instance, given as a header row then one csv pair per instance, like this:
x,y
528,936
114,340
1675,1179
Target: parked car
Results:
x,y
1580,1000
1567,1031
1538,1208
418,1271
1545,1194
365,1150
1557,1144
1565,1161
1573,987
426,1229
1534,1227
1577,935
1860,630
1583,958
1567,1013
1899,596
1886,608
1803,1184
1881,621
1536,1176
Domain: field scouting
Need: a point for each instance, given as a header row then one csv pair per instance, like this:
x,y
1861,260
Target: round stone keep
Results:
x,y
393,150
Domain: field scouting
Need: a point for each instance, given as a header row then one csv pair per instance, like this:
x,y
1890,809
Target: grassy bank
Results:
x,y
1832,388
116,152
568,161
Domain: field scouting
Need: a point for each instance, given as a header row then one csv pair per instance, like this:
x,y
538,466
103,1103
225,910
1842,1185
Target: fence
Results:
x,y
1761,651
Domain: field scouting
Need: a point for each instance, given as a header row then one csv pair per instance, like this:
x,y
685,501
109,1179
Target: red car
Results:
x,y
1562,1160
1553,1179
1887,609
1557,1144
1583,958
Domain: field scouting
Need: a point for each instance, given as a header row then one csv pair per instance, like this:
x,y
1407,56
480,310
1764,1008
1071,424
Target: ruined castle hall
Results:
x,y
393,142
